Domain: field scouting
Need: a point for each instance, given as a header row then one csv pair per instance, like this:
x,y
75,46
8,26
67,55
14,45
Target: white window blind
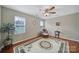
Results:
x,y
19,25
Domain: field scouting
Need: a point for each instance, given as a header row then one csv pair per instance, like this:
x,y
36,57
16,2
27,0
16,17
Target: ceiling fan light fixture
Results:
x,y
46,14
48,11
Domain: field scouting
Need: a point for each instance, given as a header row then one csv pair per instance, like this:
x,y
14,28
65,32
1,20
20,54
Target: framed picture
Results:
x,y
57,23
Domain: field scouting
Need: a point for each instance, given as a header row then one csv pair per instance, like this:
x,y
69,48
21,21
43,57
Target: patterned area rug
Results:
x,y
44,45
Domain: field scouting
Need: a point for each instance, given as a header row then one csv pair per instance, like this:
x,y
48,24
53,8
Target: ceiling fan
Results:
x,y
48,11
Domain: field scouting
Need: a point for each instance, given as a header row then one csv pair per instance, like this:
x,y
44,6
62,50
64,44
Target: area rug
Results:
x,y
44,45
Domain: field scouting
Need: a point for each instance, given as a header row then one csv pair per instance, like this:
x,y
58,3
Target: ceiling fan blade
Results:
x,y
51,8
52,12
46,10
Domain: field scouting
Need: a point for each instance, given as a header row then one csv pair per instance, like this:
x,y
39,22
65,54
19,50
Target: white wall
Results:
x,y
78,27
0,33
68,26
0,22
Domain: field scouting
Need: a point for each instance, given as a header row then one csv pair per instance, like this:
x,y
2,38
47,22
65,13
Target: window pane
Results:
x,y
42,23
19,25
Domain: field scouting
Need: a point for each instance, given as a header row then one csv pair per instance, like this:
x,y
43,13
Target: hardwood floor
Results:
x,y
73,46
7,49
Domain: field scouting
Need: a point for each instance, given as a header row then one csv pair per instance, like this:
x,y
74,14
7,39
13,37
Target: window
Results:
x,y
42,23
19,25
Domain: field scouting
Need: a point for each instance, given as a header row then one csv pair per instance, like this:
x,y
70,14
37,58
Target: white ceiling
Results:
x,y
35,10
